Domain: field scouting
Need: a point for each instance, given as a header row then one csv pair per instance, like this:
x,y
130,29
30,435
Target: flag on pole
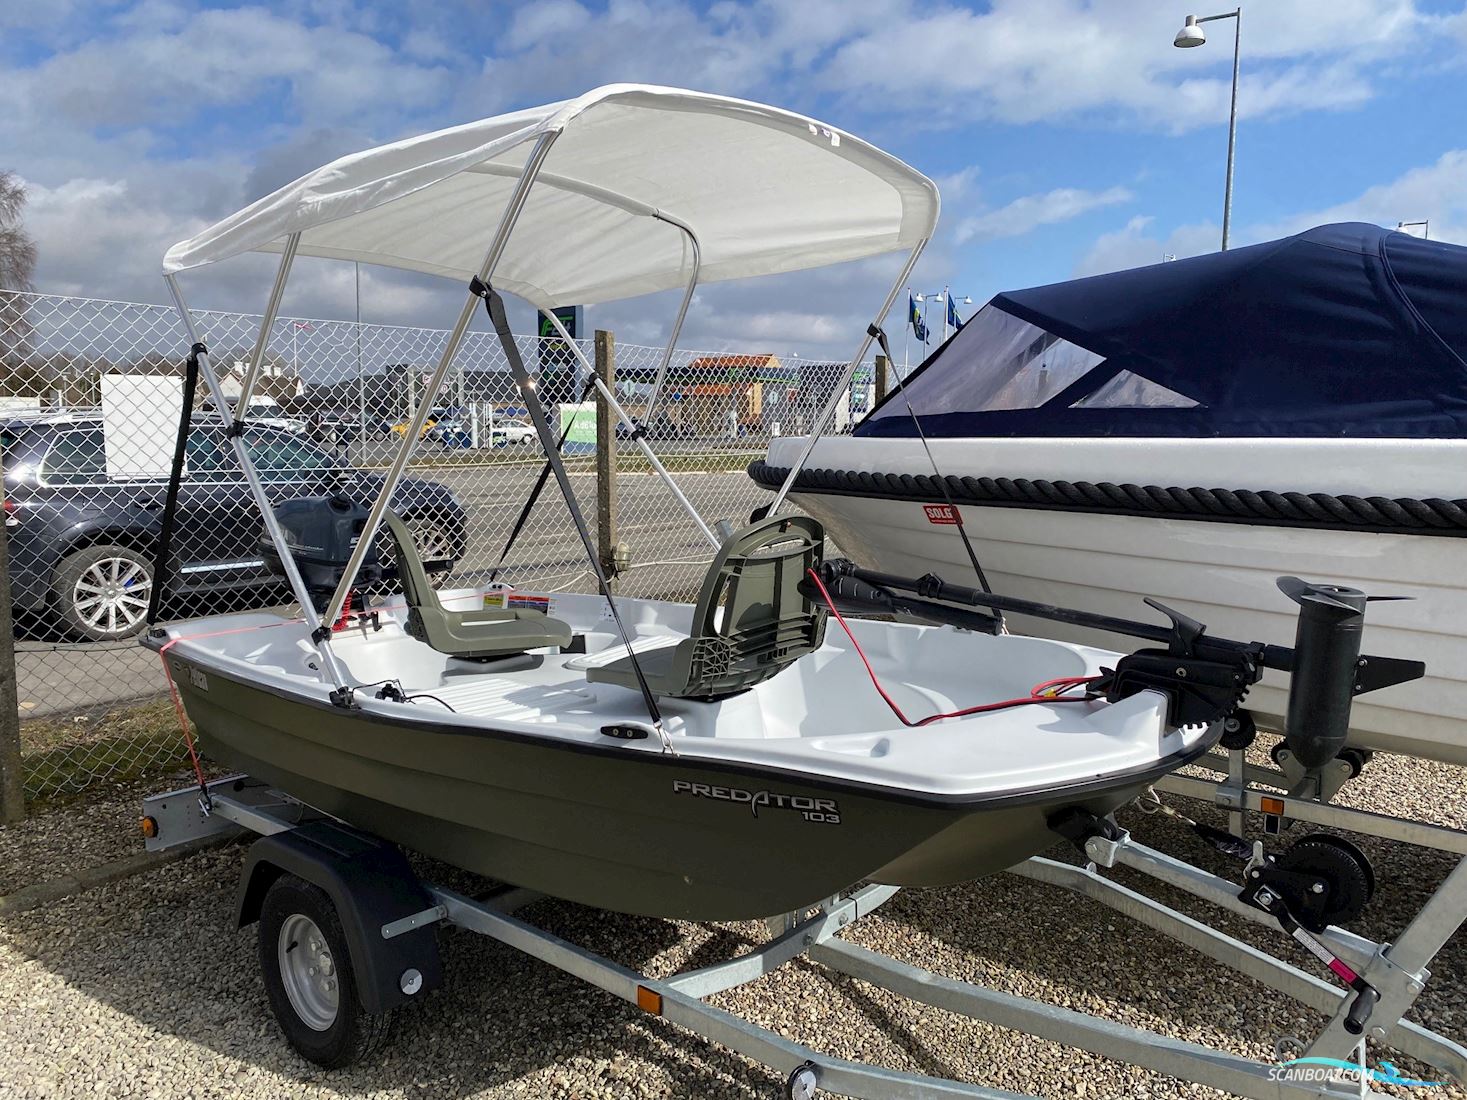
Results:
x,y
952,314
914,318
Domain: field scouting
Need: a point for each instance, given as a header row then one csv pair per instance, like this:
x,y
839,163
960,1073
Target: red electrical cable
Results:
x,y
1056,687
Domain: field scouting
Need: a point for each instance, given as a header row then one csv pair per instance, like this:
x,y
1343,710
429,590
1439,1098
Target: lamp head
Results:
x,y
1190,35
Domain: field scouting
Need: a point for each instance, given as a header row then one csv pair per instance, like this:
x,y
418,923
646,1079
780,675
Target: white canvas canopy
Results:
x,y
764,190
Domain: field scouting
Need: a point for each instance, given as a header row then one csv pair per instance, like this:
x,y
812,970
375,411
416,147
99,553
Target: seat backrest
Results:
x,y
411,573
766,622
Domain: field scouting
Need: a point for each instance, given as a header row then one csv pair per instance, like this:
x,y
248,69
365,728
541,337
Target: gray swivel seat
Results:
x,y
472,635
766,625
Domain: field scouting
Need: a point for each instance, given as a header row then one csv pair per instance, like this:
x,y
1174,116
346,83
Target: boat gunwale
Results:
x,y
1080,789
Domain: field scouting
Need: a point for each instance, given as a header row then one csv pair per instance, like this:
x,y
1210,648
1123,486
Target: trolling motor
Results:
x,y
1320,880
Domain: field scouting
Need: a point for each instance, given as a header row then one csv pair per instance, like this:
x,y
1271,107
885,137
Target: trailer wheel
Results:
x,y
309,980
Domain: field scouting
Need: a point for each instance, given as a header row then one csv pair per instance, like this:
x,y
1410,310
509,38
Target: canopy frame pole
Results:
x,y
330,667
262,342
639,436
511,215
847,378
682,313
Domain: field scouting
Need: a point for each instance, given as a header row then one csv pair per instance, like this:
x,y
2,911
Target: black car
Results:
x,y
82,543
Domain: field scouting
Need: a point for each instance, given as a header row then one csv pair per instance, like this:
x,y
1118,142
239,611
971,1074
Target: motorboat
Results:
x,y
1189,431
807,738
725,760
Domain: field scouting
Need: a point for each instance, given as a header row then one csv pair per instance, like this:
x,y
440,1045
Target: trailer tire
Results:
x,y
314,997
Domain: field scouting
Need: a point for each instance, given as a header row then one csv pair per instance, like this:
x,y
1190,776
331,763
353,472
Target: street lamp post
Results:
x,y
1192,34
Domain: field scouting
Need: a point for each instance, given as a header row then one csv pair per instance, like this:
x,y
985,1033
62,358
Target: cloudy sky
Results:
x,y
1068,136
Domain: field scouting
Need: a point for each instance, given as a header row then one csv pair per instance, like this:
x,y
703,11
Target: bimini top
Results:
x,y
763,189
1341,330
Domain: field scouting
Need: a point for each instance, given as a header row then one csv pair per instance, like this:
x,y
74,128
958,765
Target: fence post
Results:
x,y
12,782
882,367
606,454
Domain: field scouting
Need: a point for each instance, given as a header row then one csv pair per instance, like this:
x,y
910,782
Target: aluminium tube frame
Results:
x,y
850,373
507,221
330,667
682,313
272,308
626,418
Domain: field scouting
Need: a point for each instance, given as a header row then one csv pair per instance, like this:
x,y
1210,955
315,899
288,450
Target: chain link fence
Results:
x,y
90,395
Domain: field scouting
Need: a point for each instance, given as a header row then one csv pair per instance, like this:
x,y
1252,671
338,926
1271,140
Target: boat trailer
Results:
x,y
369,946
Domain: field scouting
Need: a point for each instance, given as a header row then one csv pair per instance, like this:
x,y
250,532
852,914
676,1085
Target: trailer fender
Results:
x,y
371,885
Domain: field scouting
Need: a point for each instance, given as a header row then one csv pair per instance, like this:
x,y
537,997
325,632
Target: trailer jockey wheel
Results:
x,y
1238,731
1324,879
309,979
802,1082
1356,759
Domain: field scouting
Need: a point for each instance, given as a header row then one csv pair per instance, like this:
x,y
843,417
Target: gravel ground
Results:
x,y
142,988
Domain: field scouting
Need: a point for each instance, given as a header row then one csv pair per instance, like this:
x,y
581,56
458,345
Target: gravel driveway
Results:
x,y
143,989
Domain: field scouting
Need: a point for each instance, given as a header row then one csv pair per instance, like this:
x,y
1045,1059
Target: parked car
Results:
x,y
513,431
82,544
339,428
454,432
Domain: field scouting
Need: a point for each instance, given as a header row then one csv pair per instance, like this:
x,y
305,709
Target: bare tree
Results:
x,y
17,250
17,266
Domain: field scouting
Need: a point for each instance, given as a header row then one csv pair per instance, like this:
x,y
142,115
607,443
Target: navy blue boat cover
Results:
x,y
1343,330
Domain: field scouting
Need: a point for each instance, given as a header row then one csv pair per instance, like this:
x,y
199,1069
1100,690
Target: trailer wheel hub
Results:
x,y
307,971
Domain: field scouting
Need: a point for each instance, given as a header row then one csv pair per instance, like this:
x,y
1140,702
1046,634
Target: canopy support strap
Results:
x,y
395,472
533,498
163,558
330,667
845,383
494,306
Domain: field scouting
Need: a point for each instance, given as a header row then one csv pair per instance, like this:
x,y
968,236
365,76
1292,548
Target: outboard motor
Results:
x,y
322,532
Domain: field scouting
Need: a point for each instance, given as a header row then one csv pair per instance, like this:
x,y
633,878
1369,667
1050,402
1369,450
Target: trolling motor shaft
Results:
x,y
1326,658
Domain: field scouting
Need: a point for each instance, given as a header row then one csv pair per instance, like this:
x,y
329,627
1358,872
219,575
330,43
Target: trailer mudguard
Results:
x,y
370,883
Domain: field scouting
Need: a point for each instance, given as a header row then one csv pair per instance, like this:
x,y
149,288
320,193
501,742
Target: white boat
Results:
x,y
1191,431
718,762
723,761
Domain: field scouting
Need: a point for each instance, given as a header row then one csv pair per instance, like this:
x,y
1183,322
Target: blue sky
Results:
x,y
1068,137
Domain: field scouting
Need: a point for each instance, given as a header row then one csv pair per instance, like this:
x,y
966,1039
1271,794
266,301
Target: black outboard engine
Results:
x,y
322,533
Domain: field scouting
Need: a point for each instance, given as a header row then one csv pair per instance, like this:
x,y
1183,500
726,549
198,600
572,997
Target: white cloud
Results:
x,y
1133,246
151,119
1025,214
153,73
1027,60
1435,192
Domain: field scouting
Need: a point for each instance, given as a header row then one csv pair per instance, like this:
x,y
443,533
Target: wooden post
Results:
x,y
12,782
882,370
606,454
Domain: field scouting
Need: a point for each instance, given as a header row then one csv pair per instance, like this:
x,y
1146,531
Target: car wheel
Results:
x,y
432,540
102,591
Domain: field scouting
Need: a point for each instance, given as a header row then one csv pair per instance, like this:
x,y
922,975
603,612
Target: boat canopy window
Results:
x,y
1131,391
997,361
1343,330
